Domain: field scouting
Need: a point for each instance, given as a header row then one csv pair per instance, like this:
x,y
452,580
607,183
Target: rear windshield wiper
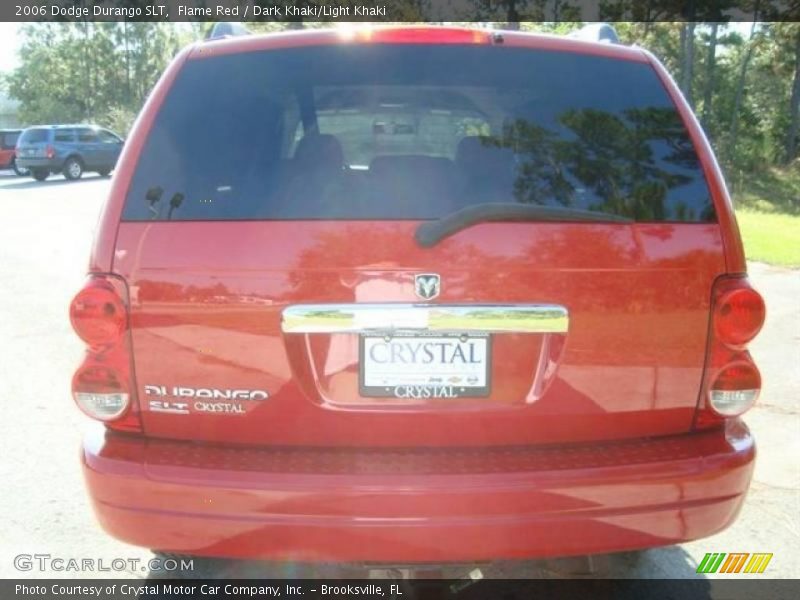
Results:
x,y
153,197
431,233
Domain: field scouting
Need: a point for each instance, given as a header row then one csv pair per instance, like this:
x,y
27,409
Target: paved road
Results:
x,y
45,234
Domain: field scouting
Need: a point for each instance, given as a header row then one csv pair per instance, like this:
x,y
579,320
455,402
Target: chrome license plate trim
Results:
x,y
440,318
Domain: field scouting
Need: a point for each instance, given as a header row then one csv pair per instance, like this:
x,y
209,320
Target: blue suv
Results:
x,y
68,149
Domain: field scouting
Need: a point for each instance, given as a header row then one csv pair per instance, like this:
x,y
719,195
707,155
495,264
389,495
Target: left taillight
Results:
x,y
731,382
102,385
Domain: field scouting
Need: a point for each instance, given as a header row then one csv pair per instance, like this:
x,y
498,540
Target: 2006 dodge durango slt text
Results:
x,y
446,296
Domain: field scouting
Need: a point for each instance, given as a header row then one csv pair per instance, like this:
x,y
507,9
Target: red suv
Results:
x,y
8,154
448,295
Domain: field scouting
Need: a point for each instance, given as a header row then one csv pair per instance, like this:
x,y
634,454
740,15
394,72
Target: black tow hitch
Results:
x,y
467,580
425,583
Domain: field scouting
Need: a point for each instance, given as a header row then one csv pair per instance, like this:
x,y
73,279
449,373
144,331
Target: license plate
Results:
x,y
415,366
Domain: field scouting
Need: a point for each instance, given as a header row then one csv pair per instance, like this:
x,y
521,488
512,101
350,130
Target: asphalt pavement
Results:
x,y
46,231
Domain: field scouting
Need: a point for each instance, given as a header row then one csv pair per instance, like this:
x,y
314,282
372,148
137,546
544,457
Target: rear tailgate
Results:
x,y
209,316
217,248
32,143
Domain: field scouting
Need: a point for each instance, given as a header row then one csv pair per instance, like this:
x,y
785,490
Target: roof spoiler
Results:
x,y
226,29
596,32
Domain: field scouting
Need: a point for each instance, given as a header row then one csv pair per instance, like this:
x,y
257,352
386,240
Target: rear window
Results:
x,y
34,136
415,132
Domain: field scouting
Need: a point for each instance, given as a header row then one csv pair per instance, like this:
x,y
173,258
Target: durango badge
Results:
x,y
427,285
197,399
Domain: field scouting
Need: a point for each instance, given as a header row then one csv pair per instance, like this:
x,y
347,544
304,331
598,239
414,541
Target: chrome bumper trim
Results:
x,y
484,318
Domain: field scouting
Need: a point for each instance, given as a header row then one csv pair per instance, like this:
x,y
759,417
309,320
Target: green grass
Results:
x,y
772,238
768,212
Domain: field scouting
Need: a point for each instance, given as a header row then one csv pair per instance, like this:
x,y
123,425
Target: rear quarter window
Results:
x,y
415,132
87,136
106,137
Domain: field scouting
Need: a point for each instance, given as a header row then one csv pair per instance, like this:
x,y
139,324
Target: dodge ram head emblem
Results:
x,y
427,285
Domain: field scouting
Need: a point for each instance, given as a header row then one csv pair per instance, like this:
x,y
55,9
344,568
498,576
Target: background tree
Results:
x,y
90,71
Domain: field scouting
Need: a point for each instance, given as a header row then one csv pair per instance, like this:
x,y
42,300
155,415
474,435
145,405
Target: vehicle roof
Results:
x,y
415,34
66,126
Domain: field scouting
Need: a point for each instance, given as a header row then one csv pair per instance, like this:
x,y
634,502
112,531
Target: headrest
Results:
x,y
320,150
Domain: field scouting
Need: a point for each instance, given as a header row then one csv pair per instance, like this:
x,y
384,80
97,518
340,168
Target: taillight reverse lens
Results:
x,y
101,392
738,316
735,388
98,314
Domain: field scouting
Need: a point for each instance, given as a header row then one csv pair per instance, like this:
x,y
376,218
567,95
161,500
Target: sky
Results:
x,y
8,46
9,43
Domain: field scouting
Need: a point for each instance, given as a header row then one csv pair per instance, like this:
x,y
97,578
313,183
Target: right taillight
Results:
x,y
731,382
102,386
98,314
49,152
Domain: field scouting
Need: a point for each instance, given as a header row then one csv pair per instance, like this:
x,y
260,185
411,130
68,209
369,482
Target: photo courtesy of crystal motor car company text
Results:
x,y
395,301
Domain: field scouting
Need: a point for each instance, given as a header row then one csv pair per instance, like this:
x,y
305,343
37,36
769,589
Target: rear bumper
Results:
x,y
417,505
51,164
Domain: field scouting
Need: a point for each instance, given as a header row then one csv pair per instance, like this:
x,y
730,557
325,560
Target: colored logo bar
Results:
x,y
734,562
